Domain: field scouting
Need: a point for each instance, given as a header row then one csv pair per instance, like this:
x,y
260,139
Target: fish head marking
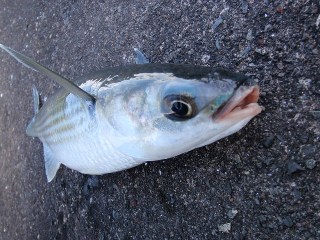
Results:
x,y
156,116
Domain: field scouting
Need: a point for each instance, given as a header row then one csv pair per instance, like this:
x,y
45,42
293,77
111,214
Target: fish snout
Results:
x,y
242,104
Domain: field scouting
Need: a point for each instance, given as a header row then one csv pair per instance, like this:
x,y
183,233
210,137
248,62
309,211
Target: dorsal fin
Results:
x,y
67,84
140,57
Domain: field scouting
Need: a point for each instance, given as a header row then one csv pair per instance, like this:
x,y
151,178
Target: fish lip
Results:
x,y
243,103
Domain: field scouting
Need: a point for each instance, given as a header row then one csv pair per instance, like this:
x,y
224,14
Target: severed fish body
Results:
x,y
118,118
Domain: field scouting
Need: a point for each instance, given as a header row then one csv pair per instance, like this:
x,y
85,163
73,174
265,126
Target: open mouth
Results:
x,y
242,104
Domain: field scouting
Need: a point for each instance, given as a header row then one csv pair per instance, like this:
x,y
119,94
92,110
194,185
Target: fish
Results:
x,y
120,117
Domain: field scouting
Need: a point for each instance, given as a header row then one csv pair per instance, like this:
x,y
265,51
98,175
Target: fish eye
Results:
x,y
180,107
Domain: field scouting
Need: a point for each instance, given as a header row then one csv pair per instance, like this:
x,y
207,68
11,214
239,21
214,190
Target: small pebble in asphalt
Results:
x,y
232,213
308,150
225,227
296,195
268,141
310,163
287,222
294,167
91,183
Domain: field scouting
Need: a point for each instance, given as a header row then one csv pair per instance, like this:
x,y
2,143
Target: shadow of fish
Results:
x,y
118,118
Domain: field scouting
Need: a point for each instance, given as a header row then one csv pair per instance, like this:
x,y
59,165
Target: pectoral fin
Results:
x,y
51,164
67,84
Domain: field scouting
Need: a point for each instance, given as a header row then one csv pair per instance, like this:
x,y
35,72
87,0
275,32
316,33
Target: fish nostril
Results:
x,y
248,82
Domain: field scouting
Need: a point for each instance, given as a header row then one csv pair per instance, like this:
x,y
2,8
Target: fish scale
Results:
x,y
117,118
72,122
69,127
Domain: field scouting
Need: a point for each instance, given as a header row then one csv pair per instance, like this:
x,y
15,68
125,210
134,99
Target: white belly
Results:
x,y
91,154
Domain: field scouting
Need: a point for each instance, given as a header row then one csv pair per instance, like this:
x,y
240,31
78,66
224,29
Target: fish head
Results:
x,y
155,116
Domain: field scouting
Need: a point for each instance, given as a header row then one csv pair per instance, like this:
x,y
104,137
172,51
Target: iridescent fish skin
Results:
x,y
141,113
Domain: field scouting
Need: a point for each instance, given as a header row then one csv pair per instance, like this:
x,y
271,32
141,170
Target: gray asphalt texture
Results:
x,y
260,183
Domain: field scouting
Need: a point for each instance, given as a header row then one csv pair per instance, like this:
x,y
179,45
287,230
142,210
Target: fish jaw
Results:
x,y
235,114
241,105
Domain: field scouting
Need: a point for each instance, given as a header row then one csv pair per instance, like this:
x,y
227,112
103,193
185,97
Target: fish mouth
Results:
x,y
241,105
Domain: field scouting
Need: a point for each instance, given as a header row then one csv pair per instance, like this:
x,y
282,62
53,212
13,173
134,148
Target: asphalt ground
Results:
x,y
260,183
